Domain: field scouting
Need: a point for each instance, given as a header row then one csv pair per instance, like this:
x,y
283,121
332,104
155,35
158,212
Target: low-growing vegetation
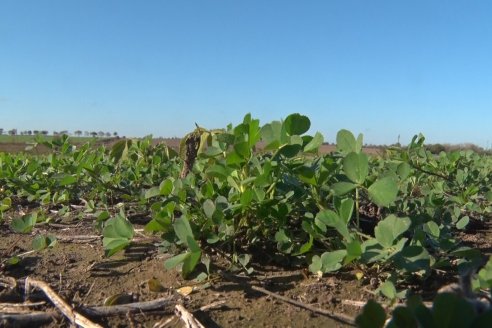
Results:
x,y
397,216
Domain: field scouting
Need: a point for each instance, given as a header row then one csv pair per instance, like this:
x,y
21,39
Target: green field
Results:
x,y
28,139
397,220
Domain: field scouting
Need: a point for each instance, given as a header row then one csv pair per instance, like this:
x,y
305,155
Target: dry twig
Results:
x,y
69,312
32,319
189,320
212,305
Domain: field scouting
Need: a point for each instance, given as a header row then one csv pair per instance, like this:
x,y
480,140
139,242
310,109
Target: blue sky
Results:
x,y
381,68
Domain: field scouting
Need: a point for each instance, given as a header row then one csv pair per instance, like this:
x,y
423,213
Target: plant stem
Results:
x,y
357,215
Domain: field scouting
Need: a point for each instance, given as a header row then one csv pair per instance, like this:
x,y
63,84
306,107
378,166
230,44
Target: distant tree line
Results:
x,y
77,133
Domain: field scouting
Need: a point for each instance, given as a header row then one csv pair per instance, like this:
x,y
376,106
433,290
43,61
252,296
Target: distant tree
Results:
x,y
78,133
108,134
115,134
44,133
93,134
100,134
63,132
1,131
55,133
13,132
29,132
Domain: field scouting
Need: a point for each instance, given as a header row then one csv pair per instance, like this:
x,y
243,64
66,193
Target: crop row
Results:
x,y
248,188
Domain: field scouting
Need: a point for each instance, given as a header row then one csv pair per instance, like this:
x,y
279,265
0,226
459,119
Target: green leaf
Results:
x,y
160,224
192,244
117,235
306,247
244,259
383,192
432,229
354,251
332,219
284,244
316,264
218,171
404,170
359,143
190,263
175,260
209,208
41,242
388,290
296,124
413,259
24,224
119,152
332,261
372,316
114,245
346,142
462,223
403,317
5,204
246,197
271,134
391,228
290,151
485,275
314,144
166,187
451,310
67,180
346,209
152,192
14,260
242,149
182,229
342,188
356,167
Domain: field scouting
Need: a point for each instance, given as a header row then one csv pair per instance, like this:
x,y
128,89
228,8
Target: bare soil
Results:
x,y
77,269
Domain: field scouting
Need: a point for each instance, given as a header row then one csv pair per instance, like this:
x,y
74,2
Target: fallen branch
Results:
x,y
32,319
335,316
189,320
67,310
14,305
212,305
18,307
78,239
358,304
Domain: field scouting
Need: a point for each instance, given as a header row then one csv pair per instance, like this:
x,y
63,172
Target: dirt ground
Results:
x,y
78,271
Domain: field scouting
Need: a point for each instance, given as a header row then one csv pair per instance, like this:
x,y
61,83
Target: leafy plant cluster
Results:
x,y
251,188
461,306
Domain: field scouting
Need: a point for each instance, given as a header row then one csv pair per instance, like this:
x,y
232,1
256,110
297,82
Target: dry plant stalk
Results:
x,y
189,320
74,317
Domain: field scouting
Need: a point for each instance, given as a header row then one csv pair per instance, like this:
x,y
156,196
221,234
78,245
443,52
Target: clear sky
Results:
x,y
383,68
